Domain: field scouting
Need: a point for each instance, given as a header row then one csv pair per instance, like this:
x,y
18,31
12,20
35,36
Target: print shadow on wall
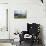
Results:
x,y
20,13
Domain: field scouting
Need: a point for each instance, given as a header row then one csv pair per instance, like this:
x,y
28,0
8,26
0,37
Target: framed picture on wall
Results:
x,y
20,13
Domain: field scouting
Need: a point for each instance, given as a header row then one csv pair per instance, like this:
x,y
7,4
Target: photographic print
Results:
x,y
20,14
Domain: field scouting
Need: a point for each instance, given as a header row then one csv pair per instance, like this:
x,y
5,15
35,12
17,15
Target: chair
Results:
x,y
33,30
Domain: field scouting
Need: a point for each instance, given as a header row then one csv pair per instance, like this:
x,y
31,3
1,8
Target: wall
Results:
x,y
35,13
